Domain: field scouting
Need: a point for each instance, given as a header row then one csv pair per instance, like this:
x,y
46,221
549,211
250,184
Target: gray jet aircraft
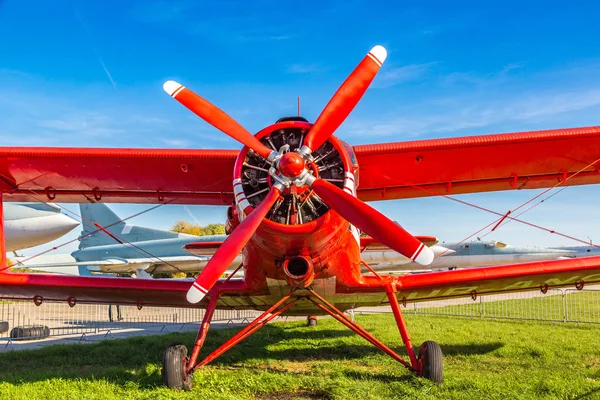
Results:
x,y
478,254
122,248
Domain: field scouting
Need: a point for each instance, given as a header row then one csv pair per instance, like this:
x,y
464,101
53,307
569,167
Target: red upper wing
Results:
x,y
525,160
387,171
117,175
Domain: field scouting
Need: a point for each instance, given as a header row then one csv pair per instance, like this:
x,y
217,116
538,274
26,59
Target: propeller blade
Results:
x,y
371,221
345,99
215,116
230,249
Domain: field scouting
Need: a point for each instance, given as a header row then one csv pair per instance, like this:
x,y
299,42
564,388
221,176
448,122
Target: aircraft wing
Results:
x,y
33,174
500,279
417,287
527,160
387,171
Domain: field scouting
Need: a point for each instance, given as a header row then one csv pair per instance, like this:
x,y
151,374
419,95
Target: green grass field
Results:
x,y
484,359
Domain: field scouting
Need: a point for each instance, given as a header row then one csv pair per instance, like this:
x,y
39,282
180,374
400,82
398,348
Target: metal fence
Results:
x,y
569,305
24,320
20,320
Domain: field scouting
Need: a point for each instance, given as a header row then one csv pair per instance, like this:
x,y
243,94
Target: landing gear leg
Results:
x,y
311,321
429,362
176,365
178,368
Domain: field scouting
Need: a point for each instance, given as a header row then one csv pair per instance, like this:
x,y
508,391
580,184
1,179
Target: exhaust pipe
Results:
x,y
299,270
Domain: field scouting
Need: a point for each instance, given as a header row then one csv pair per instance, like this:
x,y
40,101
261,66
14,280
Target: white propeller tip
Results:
x,y
379,52
171,87
425,257
194,295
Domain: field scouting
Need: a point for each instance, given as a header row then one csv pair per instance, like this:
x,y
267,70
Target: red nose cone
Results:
x,y
291,164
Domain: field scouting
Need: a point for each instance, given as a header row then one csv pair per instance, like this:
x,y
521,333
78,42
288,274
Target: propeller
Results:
x,y
345,99
216,117
291,169
371,221
230,248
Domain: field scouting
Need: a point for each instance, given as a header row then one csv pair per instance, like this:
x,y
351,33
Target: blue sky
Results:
x,y
85,73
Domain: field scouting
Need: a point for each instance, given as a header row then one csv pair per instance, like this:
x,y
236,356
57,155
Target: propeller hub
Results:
x,y
291,164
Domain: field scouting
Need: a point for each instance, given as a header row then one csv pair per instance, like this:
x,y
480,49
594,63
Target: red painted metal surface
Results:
x,y
202,332
154,176
230,249
219,119
344,100
351,285
525,160
2,237
463,165
291,164
402,328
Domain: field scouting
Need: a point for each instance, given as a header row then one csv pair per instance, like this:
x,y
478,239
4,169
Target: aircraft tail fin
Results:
x,y
115,230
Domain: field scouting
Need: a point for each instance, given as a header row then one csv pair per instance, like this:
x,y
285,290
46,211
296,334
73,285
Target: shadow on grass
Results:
x,y
139,359
592,394
469,349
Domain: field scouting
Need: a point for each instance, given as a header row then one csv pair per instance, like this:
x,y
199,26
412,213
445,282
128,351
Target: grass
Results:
x,y
483,359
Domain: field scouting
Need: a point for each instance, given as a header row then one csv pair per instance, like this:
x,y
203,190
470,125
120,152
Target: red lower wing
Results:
x,y
417,287
542,275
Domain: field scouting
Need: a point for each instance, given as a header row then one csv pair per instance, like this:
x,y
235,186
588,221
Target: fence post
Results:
x,y
565,306
481,307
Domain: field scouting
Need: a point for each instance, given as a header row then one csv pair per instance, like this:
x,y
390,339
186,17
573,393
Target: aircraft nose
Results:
x,y
59,224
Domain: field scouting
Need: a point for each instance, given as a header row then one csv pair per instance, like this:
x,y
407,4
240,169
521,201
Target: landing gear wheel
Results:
x,y
430,362
174,373
311,321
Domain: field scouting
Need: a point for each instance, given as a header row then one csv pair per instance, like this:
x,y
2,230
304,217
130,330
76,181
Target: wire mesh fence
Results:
x,y
21,320
570,305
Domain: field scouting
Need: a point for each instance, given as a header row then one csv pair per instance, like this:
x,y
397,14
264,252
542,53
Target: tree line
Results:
x,y
182,226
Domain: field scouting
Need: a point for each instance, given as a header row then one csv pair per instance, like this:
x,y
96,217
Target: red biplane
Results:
x,y
296,215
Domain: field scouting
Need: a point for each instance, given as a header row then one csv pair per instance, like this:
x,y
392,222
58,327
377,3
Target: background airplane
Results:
x,y
32,224
110,245
472,255
581,251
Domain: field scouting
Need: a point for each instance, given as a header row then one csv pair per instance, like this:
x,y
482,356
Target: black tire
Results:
x,y
30,332
174,375
3,326
311,321
431,362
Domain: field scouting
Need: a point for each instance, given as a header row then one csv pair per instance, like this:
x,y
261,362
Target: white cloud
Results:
x,y
391,76
176,142
466,112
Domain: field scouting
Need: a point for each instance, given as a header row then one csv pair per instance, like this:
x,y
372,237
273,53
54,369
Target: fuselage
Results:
x,y
302,242
478,254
